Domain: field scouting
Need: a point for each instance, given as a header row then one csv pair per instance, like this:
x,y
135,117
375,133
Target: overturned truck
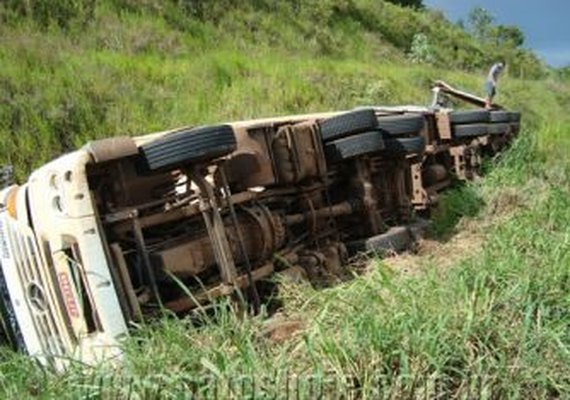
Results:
x,y
125,227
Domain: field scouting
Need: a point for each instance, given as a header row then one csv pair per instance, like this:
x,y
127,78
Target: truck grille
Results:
x,y
38,287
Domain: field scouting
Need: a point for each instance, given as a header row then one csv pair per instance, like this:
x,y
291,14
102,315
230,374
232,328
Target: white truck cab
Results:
x,y
59,297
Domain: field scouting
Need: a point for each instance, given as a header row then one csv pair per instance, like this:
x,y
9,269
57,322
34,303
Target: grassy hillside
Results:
x,y
483,308
70,72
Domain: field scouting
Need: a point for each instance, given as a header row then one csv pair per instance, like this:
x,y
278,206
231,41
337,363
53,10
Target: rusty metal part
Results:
x,y
327,260
281,260
134,309
145,258
475,161
251,165
298,152
250,239
344,208
187,258
244,170
436,148
420,199
111,148
119,185
243,250
430,133
401,188
262,232
467,160
367,190
443,125
215,227
393,183
121,218
458,155
206,296
267,228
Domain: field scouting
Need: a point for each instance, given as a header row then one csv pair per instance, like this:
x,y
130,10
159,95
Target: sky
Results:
x,y
545,23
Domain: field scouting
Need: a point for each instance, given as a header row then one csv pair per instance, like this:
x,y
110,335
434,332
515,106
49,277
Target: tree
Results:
x,y
563,73
460,24
479,22
408,3
420,51
507,35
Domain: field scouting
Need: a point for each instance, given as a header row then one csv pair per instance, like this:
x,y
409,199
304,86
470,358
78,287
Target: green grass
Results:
x,y
128,73
494,324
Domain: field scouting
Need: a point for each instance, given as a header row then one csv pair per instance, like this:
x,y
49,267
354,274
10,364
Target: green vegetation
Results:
x,y
408,3
71,71
495,323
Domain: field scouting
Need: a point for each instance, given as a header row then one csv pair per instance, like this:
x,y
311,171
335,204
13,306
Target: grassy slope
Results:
x,y
495,319
133,72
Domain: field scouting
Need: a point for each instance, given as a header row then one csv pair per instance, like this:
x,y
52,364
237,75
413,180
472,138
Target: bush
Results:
x,y
48,12
420,51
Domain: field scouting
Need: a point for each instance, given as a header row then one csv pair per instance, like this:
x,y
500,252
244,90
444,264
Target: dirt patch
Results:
x,y
464,244
281,328
469,234
506,202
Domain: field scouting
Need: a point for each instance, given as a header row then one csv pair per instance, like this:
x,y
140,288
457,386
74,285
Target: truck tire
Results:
x,y
470,130
515,116
189,146
500,116
347,124
499,129
354,146
469,117
404,146
401,124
